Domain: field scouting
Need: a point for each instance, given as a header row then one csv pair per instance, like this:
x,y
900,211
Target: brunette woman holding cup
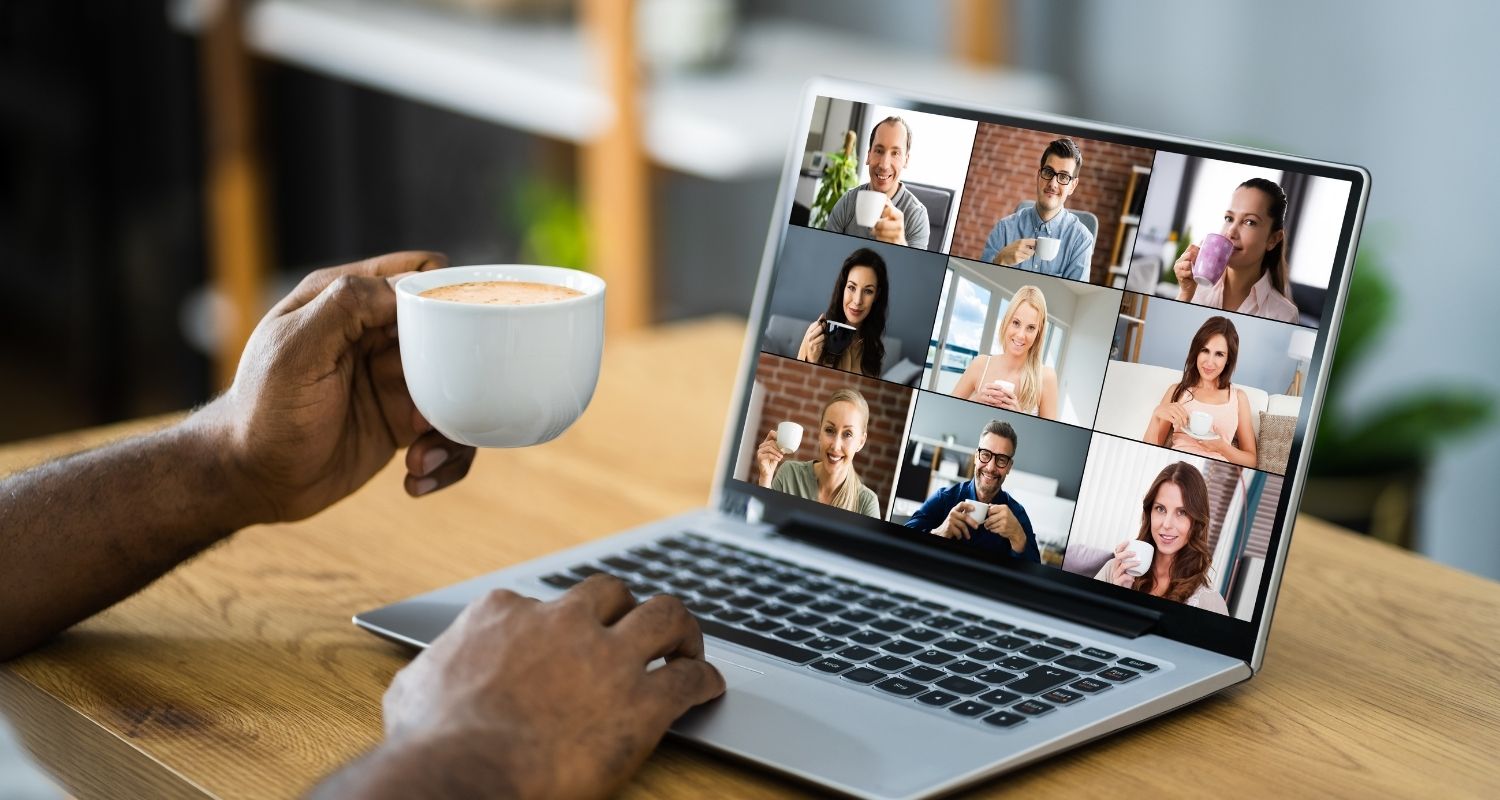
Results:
x,y
829,477
858,307
1174,524
1205,389
1256,279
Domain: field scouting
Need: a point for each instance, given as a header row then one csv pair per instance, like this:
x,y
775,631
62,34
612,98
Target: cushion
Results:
x,y
904,372
1274,443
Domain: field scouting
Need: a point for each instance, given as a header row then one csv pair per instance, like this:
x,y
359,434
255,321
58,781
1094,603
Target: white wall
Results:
x,y
1088,354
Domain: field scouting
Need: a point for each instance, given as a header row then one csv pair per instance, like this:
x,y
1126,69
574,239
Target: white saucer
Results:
x,y
1208,438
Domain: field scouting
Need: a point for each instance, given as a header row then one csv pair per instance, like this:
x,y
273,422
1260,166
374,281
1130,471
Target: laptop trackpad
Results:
x,y
734,674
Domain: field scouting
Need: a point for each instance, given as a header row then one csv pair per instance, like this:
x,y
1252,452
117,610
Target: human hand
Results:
x,y
957,525
1124,560
1002,522
1183,269
768,457
319,404
812,341
1015,252
1174,414
993,395
891,227
554,699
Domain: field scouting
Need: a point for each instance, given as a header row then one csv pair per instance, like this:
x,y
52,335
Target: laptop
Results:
x,y
1038,482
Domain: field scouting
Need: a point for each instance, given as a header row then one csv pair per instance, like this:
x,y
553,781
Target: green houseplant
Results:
x,y
1368,469
840,171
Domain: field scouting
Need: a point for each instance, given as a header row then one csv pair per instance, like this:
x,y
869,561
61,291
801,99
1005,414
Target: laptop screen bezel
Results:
x,y
1227,635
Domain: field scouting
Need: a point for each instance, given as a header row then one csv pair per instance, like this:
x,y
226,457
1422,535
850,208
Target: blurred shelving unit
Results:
x,y
567,82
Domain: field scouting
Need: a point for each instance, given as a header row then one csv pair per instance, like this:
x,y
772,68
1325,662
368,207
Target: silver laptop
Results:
x,y
1036,484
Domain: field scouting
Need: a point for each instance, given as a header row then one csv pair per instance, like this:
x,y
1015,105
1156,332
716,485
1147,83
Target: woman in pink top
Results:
x,y
1258,280
1205,387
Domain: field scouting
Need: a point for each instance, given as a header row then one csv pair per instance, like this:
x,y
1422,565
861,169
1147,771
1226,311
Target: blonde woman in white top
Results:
x,y
1018,363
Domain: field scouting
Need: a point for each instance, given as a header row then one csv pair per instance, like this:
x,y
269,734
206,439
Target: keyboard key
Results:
x,y
905,598
996,676
889,625
731,615
827,607
1094,652
858,615
901,647
1041,679
965,667
775,610
934,657
890,663
870,638
560,581
683,584
1015,664
1080,664
730,580
702,607
880,604
966,616
1118,674
1029,633
1000,697
997,624
863,675
807,620
1004,719
974,632
1034,708
923,674
958,685
1066,644
1040,652
817,587
716,592
986,654
1008,642
943,623
674,542
1137,664
584,570
823,644
969,708
788,577
646,553
857,653
764,644
793,634
955,645
937,698
706,570
922,635
901,687
796,598
932,604
744,601
1089,685
837,628
763,625
831,666
911,613
764,589
656,574
1061,697
849,595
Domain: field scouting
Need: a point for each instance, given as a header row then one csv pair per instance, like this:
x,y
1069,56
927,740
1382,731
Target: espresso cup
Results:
x,y
494,375
977,512
1008,386
788,437
1213,259
868,206
1201,423
837,336
1143,552
1047,247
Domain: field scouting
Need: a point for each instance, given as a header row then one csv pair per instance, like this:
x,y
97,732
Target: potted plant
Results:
x,y
840,171
1368,469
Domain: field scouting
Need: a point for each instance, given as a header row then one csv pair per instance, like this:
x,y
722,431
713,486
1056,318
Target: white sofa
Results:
x,y
1132,391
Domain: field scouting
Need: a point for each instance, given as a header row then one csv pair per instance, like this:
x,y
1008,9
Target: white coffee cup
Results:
x,y
1143,552
1047,247
1201,423
1008,386
788,437
977,512
501,375
868,206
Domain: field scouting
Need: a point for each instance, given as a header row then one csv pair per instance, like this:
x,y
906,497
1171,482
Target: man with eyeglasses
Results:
x,y
1006,528
1012,242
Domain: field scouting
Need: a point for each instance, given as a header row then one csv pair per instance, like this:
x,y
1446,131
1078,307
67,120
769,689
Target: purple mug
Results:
x,y
1213,259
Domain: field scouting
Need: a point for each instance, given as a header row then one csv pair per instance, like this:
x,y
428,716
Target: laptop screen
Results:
x,y
1074,350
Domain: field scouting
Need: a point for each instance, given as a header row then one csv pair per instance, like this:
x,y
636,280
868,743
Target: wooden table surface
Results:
x,y
240,675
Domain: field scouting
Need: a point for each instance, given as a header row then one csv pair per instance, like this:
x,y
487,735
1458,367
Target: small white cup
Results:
x,y
1008,386
788,437
977,512
501,375
1201,423
1143,552
1047,247
868,206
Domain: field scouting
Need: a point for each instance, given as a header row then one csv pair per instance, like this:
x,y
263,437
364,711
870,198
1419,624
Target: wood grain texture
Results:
x,y
239,675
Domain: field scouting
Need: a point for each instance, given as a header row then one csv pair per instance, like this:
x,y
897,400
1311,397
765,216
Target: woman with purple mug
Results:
x,y
1254,278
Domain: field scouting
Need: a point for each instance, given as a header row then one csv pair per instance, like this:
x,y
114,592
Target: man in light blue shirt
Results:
x,y
1013,240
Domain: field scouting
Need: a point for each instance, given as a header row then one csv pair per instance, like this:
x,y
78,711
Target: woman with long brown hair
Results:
x,y
1174,522
860,298
829,477
1205,388
1258,280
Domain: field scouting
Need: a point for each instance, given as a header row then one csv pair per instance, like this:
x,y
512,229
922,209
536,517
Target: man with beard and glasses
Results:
x,y
1006,528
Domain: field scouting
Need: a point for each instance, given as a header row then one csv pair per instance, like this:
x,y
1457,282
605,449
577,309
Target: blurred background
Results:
x,y
169,166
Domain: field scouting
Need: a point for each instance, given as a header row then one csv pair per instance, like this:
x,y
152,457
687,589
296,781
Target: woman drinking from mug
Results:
x,y
1205,392
1174,526
1015,377
859,300
830,477
1257,280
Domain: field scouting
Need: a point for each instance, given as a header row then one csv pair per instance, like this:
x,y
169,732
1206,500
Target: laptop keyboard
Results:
x,y
946,660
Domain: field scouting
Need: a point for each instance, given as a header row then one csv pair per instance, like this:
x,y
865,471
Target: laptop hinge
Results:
x,y
959,571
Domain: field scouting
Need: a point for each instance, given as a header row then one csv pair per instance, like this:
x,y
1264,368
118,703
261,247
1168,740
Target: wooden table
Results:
x,y
239,675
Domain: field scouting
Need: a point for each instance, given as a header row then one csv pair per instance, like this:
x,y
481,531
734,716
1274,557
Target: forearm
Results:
x,y
406,769
82,533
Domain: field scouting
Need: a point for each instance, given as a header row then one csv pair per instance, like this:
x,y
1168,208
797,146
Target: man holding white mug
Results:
x,y
978,510
900,218
1046,237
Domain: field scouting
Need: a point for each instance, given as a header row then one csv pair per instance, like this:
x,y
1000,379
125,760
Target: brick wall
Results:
x,y
1002,173
797,390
